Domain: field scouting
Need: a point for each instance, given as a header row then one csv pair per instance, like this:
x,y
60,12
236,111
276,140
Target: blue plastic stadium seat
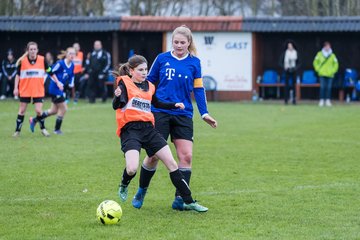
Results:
x,y
309,77
209,83
111,77
357,86
350,77
210,86
270,77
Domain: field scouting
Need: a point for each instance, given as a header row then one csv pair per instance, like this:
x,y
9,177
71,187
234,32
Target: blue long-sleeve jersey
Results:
x,y
175,79
64,73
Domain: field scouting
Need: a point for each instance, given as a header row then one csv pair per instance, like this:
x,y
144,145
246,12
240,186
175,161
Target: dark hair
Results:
x,y
286,43
132,63
327,43
10,52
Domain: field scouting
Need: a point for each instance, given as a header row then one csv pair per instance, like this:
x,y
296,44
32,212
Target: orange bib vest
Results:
x,y
78,62
138,107
32,78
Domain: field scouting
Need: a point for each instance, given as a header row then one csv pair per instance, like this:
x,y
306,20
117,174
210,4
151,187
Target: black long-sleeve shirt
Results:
x,y
121,101
99,63
8,68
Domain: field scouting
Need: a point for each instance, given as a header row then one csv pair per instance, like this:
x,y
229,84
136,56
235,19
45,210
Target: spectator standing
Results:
x,y
83,81
98,71
8,68
289,61
326,65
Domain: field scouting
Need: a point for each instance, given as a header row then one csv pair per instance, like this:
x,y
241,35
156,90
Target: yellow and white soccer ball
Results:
x,y
109,212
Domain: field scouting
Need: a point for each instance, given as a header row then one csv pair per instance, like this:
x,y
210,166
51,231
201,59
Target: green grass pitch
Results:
x,y
268,172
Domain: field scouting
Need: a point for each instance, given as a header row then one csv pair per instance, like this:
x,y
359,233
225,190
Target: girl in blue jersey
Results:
x,y
176,74
64,72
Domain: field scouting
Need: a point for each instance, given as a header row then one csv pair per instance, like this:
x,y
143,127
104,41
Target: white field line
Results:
x,y
234,192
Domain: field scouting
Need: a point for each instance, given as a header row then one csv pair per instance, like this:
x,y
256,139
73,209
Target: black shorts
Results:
x,y
137,135
57,99
178,127
28,99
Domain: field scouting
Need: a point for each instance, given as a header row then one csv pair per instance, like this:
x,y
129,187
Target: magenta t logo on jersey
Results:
x,y
170,72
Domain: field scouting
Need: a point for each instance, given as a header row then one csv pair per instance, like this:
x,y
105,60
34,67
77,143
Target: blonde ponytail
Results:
x,y
192,49
62,55
21,58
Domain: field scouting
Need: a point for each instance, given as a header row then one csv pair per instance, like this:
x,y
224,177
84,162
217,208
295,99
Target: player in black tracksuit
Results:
x,y
8,68
98,71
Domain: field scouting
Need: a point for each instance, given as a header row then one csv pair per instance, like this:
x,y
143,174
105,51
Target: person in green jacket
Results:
x,y
326,65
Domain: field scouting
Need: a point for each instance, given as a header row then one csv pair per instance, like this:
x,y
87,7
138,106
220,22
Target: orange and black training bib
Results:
x,y
32,77
138,108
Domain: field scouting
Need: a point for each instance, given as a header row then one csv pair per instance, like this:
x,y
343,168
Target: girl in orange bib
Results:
x,y
29,85
132,102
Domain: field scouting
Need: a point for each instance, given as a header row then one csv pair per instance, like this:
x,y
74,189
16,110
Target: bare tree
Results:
x,y
320,7
181,8
254,5
51,7
226,7
204,8
7,7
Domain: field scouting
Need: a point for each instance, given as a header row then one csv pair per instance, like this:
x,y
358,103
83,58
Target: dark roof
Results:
x,y
59,24
301,24
163,24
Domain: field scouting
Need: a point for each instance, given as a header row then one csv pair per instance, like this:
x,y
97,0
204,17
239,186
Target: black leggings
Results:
x,y
289,86
5,82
